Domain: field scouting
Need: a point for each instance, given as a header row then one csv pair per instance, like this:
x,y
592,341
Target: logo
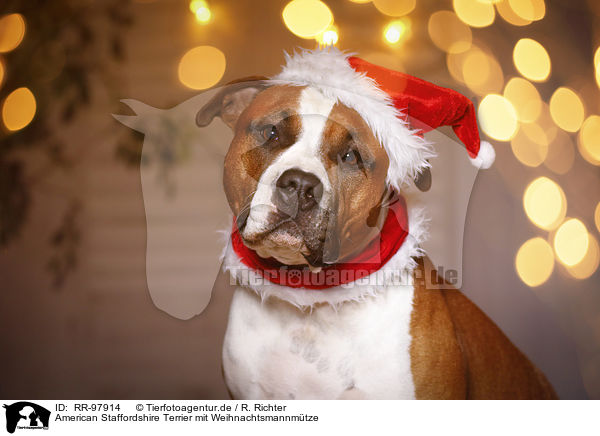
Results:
x,y
26,415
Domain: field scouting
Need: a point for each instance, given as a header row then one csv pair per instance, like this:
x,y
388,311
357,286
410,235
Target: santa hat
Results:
x,y
397,107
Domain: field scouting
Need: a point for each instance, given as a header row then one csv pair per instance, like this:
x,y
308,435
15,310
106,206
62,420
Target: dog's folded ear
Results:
x,y
231,101
423,180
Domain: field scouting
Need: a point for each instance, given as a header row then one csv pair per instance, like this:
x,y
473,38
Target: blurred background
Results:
x,y
77,319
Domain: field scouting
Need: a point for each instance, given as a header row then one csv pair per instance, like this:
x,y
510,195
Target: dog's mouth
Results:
x,y
291,241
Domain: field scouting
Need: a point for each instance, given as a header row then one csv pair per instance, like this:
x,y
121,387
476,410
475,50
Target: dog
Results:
x,y
334,298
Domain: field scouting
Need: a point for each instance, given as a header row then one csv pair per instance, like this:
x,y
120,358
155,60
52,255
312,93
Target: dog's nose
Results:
x,y
296,189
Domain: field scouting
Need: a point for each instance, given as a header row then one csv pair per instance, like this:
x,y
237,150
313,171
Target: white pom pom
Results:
x,y
486,156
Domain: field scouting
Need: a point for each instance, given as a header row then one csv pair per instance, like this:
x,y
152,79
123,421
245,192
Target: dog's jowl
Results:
x,y
330,300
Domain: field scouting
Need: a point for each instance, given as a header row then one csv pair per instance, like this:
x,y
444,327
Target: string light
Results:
x,y
588,140
545,203
474,13
307,18
534,262
571,242
497,117
201,10
201,67
329,37
532,60
18,109
449,33
589,264
529,10
395,8
525,98
566,109
396,31
12,32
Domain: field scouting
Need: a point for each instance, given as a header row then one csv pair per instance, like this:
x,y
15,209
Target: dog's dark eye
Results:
x,y
351,157
269,133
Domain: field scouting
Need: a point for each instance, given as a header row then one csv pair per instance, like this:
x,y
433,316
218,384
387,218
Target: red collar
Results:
x,y
370,260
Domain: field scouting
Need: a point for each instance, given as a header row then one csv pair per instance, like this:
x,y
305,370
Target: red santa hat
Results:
x,y
398,107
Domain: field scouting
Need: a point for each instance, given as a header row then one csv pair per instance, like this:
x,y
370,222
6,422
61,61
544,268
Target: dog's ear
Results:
x,y
231,101
423,180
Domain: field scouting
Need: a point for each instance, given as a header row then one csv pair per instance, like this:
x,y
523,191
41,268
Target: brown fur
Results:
x,y
457,352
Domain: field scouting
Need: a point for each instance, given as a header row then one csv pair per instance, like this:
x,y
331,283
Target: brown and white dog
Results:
x,y
317,153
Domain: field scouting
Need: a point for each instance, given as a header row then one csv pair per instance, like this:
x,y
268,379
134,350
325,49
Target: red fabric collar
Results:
x,y
371,259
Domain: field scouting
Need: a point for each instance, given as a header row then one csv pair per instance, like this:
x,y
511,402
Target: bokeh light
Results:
x,y
529,10
396,31
534,262
545,203
597,216
566,109
530,145
201,10
561,153
525,98
18,109
474,13
588,140
329,37
12,31
201,67
509,15
532,60
361,1
1,72
395,8
449,33
571,242
481,72
307,18
497,117
589,264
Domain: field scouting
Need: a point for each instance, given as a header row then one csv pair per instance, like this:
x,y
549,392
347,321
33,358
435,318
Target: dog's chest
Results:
x,y
360,350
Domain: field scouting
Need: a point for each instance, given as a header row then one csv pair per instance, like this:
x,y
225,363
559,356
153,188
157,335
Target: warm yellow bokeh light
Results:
x,y
497,117
481,72
12,31
449,33
328,37
589,264
530,10
474,13
597,217
588,140
597,58
395,8
203,14
566,109
197,4
534,262
571,242
307,18
531,59
360,1
525,98
1,72
545,203
510,16
561,153
396,30
530,145
201,67
18,109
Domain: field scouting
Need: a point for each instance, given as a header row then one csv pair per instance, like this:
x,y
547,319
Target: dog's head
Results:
x,y
304,175
317,149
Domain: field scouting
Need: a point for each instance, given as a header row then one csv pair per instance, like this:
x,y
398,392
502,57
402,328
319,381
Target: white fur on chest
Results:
x,y
357,350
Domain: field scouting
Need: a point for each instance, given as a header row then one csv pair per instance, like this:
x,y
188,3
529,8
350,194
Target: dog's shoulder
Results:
x,y
491,365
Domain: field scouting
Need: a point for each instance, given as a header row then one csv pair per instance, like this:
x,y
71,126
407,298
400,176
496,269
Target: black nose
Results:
x,y
297,190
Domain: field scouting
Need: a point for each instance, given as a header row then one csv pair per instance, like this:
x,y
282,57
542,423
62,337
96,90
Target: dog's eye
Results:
x,y
351,157
269,133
